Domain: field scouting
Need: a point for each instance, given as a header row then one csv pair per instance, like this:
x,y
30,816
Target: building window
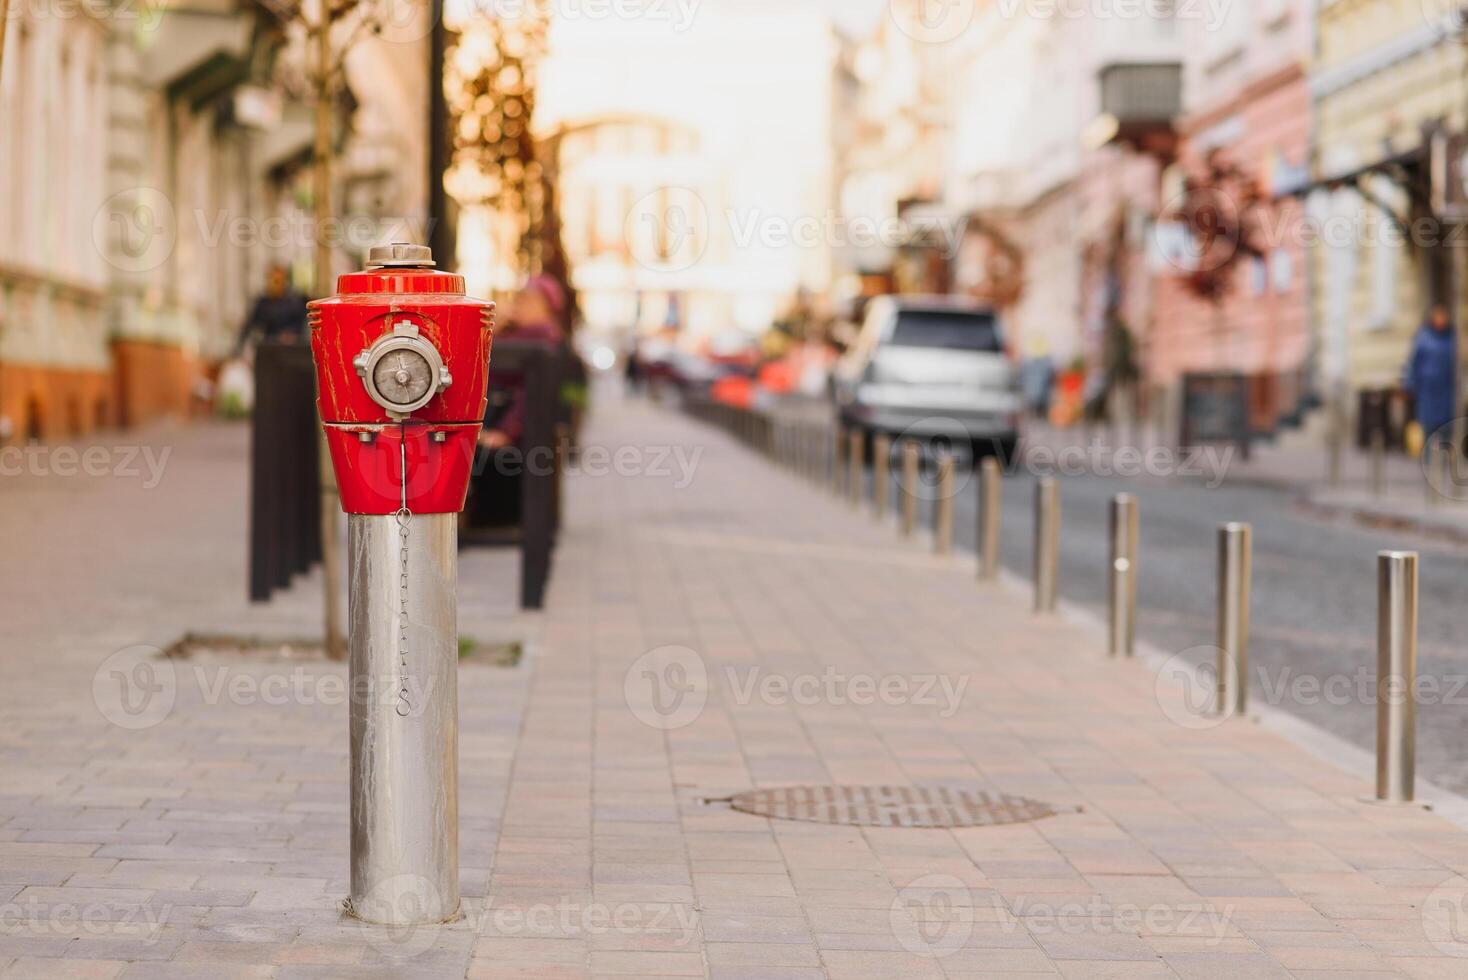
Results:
x,y
1281,271
1386,249
1258,276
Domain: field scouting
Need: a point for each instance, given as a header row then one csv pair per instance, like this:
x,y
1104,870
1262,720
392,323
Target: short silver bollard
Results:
x,y
1396,680
1047,544
1125,528
1378,463
990,503
881,473
911,467
1235,574
838,450
943,507
1437,471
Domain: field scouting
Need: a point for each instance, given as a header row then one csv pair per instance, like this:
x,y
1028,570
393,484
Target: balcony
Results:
x,y
1139,103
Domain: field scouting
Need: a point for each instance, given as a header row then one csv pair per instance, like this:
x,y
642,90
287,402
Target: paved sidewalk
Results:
x,y
743,630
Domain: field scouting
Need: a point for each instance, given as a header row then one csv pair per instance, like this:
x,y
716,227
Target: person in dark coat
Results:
x,y
279,313
534,318
1432,373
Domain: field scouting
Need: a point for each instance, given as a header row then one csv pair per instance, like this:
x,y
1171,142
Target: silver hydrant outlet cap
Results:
x,y
399,254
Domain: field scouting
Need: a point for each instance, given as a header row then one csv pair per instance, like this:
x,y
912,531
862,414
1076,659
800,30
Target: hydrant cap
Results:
x,y
400,255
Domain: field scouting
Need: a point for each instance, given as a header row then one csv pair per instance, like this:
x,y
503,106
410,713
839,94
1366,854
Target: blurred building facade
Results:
x,y
892,177
1386,79
155,163
1073,134
695,163
1244,130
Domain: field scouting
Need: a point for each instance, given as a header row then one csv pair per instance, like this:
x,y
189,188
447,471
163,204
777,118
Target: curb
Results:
x,y
1323,745
1385,519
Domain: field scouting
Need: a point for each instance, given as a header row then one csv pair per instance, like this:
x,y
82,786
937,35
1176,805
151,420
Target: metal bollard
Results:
x,y
1235,573
990,502
856,466
1047,544
838,441
1335,439
943,508
1378,463
1456,472
911,472
881,473
1437,470
1125,527
1396,680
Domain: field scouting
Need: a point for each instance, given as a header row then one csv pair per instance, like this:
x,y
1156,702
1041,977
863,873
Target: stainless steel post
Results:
x,y
989,508
1047,543
838,440
1436,470
1335,438
910,477
881,473
404,723
1378,463
943,507
1396,676
856,476
1125,526
1235,573
1456,469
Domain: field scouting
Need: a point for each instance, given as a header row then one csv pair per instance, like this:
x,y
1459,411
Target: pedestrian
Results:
x,y
1432,373
279,313
534,318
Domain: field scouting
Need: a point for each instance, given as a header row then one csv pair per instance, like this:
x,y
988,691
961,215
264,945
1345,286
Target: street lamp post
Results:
x,y
4,19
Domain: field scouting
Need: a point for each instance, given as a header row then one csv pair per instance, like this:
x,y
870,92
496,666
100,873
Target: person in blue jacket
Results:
x,y
1432,373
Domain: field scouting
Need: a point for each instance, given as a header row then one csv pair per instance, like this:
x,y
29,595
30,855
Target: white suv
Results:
x,y
931,367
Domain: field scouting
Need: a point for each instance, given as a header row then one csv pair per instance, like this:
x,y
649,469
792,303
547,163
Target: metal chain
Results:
x,y
405,518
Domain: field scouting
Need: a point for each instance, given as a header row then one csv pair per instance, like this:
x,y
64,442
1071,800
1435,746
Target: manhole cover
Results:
x,y
891,806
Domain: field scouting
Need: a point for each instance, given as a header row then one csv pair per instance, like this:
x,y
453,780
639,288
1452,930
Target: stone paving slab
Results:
x,y
704,636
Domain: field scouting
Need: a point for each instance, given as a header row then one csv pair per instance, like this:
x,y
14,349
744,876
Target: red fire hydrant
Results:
x,y
402,367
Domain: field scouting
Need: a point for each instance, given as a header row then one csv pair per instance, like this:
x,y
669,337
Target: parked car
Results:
x,y
931,367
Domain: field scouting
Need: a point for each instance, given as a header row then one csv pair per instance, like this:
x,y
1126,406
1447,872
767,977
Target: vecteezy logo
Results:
x,y
933,916
1447,15
401,21
402,900
1187,688
1201,231
934,437
1445,917
668,229
933,21
667,688
135,230
135,688
1445,470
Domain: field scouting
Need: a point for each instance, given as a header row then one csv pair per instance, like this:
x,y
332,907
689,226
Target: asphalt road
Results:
x,y
1313,649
